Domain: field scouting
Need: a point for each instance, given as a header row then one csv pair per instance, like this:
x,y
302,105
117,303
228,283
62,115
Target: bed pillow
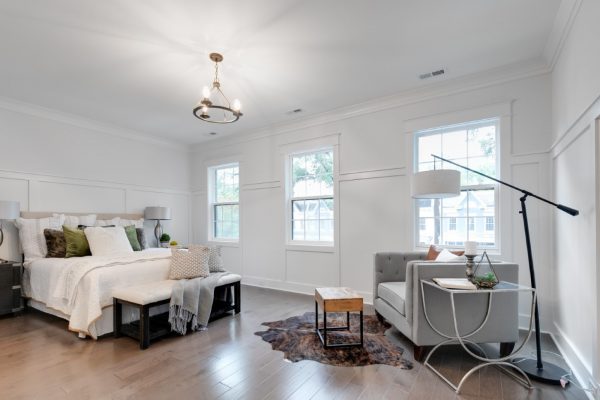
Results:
x,y
138,223
131,233
107,241
55,242
188,264
433,253
141,237
108,222
448,256
77,243
31,235
73,221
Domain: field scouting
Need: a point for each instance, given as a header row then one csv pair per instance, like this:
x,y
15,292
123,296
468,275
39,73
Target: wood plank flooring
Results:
x,y
40,359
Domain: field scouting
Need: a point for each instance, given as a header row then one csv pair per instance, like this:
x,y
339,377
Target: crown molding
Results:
x,y
563,22
480,80
85,123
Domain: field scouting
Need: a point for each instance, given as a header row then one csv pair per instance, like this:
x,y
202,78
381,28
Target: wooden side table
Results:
x,y
337,299
10,288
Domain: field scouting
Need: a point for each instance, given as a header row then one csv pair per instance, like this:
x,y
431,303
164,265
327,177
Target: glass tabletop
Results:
x,y
501,287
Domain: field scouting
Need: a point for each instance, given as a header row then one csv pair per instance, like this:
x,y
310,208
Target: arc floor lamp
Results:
x,y
446,183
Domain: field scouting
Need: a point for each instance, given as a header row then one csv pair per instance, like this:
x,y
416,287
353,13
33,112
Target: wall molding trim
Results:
x,y
372,174
465,84
563,22
577,128
85,123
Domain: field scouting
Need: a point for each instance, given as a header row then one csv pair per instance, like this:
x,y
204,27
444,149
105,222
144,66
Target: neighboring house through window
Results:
x,y
224,202
470,216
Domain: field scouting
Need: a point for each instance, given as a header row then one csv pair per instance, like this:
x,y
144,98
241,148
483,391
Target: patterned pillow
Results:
x,y
31,235
187,264
141,237
215,262
55,242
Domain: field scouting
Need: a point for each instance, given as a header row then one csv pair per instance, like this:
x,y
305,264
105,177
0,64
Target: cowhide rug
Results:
x,y
297,339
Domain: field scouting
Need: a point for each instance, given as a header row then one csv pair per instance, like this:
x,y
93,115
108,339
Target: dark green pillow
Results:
x,y
133,239
77,244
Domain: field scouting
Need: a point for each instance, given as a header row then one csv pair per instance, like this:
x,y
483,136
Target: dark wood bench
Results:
x,y
149,296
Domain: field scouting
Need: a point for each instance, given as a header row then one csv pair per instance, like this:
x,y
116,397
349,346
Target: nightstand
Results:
x,y
10,287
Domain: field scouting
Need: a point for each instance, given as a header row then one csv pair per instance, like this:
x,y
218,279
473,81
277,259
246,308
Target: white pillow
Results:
x,y
73,221
138,223
106,222
31,235
107,241
446,256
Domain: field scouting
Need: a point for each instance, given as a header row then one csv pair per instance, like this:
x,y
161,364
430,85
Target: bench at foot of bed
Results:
x,y
148,296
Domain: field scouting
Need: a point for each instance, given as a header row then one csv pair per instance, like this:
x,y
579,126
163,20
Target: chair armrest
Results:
x,y
391,267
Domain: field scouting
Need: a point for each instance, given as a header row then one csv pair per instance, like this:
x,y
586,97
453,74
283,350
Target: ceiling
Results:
x,y
141,65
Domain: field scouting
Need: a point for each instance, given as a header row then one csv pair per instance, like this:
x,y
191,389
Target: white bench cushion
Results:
x,y
160,290
394,293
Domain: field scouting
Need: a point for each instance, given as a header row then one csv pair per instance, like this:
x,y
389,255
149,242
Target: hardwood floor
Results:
x,y
40,359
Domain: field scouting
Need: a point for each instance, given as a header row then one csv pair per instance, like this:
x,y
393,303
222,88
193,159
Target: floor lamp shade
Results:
x,y
9,209
436,184
157,213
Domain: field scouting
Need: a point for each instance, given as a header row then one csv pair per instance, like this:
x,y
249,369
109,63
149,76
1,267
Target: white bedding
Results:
x,y
81,287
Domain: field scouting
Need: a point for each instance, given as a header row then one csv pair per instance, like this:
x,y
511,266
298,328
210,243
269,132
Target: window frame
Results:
x,y
213,204
289,199
443,129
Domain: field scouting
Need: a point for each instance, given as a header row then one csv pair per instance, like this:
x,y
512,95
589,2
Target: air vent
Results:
x,y
295,111
212,133
432,74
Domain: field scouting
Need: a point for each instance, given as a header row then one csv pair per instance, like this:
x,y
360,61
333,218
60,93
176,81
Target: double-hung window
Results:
x,y
470,216
225,202
311,197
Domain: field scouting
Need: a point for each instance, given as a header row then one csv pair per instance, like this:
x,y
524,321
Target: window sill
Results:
x,y
224,243
315,248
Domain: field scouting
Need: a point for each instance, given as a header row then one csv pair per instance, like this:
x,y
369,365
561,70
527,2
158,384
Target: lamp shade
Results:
x,y
436,184
157,213
9,209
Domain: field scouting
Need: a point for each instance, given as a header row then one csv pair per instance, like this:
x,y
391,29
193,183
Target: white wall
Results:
x,y
576,106
375,207
51,162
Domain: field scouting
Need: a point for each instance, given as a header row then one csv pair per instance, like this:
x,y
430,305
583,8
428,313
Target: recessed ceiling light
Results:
x,y
212,133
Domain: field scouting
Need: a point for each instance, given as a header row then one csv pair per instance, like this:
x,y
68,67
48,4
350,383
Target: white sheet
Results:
x,y
81,287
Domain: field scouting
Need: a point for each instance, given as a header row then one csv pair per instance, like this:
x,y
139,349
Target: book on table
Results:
x,y
455,283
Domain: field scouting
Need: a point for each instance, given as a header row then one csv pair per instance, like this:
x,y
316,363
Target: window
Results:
x,y
422,224
489,223
225,202
311,196
451,224
471,215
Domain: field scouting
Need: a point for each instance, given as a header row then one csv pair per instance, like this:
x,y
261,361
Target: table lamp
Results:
x,y
157,214
8,210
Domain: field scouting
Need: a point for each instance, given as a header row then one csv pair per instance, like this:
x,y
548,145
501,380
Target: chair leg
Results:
x,y
419,352
506,348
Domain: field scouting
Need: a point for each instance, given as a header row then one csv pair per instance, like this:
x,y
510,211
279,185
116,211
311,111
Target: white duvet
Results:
x,y
80,287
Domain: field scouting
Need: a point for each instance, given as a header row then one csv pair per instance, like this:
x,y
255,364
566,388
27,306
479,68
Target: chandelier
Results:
x,y
215,102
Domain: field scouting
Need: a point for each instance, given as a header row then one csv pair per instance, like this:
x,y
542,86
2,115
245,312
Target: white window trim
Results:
x,y
443,128
211,169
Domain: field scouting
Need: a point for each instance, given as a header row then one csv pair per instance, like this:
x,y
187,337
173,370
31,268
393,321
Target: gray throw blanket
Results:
x,y
191,300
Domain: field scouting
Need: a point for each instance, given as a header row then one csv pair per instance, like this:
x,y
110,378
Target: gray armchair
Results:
x,y
397,298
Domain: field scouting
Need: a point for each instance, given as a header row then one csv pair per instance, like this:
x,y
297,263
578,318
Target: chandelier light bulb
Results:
x,y
205,92
237,105
204,109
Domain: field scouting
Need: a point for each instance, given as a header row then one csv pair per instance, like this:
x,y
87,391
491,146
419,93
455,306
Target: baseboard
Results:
x,y
293,287
582,371
524,324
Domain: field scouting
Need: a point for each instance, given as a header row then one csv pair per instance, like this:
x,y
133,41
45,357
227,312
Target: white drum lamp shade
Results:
x,y
436,184
157,213
9,210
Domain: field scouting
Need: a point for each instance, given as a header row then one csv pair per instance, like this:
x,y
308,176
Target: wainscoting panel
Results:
x,y
68,197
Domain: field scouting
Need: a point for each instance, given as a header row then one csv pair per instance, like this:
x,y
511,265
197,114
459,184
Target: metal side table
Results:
x,y
463,339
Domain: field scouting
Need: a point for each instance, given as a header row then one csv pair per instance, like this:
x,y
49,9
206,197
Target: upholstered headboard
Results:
x,y
44,214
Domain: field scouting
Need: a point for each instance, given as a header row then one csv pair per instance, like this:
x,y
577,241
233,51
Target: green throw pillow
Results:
x,y
77,244
133,239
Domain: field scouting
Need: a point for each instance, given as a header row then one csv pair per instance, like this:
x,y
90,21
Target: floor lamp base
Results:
x,y
550,374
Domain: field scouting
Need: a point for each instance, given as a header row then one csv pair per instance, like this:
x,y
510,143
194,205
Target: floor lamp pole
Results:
x,y
535,369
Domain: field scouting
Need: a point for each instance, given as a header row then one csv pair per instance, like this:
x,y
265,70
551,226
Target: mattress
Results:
x,y
80,289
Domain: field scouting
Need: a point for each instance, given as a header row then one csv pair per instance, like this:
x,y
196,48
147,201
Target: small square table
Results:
x,y
337,299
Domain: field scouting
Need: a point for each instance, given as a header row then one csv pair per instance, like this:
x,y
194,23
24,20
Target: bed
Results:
x,y
79,289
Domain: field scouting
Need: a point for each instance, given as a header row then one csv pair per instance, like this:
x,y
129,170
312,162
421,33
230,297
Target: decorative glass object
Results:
x,y
484,275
